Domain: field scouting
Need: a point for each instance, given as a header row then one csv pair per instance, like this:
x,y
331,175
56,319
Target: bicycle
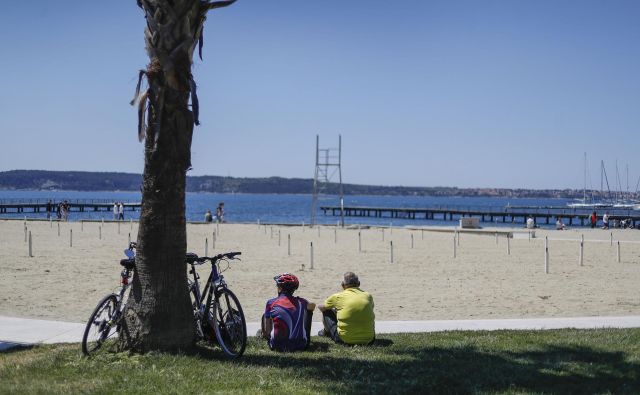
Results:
x,y
217,311
104,322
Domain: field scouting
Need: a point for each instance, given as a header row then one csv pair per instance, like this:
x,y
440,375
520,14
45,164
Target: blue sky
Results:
x,y
425,93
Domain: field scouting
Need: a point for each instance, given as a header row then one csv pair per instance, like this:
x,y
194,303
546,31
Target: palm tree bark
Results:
x,y
158,314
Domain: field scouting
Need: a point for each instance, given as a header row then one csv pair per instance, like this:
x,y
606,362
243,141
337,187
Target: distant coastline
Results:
x,y
114,181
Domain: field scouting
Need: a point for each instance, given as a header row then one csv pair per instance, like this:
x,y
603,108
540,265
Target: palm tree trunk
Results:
x,y
158,314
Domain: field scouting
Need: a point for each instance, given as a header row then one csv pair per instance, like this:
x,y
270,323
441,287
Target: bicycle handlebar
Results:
x,y
193,259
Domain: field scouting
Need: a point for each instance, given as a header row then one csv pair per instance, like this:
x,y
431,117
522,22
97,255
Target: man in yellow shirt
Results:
x,y
348,315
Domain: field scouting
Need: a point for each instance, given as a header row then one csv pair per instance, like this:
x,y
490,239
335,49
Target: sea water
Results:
x,y
274,208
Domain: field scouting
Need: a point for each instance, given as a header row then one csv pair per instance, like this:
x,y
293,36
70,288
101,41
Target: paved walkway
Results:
x,y
24,331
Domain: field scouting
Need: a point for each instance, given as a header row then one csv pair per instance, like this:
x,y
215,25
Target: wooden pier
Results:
x,y
507,214
77,205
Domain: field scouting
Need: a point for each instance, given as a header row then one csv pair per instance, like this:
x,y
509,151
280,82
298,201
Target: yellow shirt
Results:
x,y
356,319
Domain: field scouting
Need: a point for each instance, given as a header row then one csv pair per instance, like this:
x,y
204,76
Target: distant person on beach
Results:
x,y
348,316
59,210
49,208
593,219
115,211
220,212
208,217
605,220
559,224
65,211
531,223
121,211
286,322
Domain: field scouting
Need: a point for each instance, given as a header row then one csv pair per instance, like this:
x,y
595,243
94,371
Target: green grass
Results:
x,y
558,361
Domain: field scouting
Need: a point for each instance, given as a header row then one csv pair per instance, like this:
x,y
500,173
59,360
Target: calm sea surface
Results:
x,y
276,208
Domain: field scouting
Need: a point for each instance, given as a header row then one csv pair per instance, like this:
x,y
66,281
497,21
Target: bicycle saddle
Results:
x,y
128,263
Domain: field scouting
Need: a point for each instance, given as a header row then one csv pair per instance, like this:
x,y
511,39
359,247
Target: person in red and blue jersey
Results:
x,y
286,323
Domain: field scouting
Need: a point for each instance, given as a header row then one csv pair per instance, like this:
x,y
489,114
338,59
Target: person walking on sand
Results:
x,y
593,219
208,217
605,220
121,211
286,322
49,208
220,212
65,211
348,316
115,211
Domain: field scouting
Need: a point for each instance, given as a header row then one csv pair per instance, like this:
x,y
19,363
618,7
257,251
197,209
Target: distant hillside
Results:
x,y
98,181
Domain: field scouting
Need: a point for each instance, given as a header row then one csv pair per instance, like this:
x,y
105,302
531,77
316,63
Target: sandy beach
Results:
x,y
64,282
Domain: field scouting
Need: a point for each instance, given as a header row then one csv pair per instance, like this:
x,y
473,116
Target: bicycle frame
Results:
x,y
214,281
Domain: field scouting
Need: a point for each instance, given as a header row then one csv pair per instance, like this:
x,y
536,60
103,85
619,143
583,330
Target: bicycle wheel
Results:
x,y
229,324
101,326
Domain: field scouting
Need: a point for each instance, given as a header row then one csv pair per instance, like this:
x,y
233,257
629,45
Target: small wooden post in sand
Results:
x,y
25,233
213,240
412,241
311,256
130,223
359,242
30,246
611,239
288,244
70,237
457,237
58,228
391,249
50,222
100,232
318,230
546,255
454,245
335,235
118,227
206,246
496,238
278,237
618,251
382,234
422,233
81,226
218,227
129,238
581,249
271,232
508,245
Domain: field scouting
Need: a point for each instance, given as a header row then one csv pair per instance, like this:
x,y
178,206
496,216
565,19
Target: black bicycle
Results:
x,y
216,310
104,322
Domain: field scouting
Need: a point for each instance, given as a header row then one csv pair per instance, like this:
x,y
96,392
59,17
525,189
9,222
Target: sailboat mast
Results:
x,y
584,190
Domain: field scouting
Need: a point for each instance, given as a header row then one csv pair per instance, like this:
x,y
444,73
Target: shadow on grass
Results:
x,y
423,369
11,347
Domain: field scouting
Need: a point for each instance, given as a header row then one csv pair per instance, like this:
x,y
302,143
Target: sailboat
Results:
x,y
591,203
624,200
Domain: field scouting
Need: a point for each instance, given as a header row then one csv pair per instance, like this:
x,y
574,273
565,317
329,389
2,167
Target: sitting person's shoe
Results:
x,y
322,333
259,333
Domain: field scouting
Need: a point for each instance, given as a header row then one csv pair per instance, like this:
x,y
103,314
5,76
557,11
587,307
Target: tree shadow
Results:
x,y
423,369
11,347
